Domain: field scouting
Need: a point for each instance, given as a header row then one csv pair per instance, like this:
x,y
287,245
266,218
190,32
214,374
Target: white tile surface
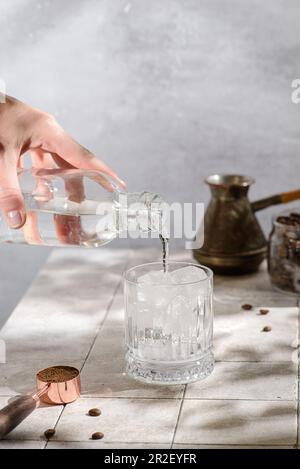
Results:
x,y
73,314
257,381
254,289
237,422
15,444
59,316
122,420
239,337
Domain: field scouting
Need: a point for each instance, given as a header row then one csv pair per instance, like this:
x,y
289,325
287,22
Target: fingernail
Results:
x,y
14,218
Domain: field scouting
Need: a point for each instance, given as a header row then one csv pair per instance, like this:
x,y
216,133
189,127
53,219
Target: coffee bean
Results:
x,y
94,412
286,221
267,329
49,433
263,311
97,436
295,216
247,307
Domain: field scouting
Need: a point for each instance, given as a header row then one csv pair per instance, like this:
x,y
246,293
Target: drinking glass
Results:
x,y
169,322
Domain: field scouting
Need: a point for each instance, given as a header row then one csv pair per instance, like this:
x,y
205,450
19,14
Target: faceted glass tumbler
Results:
x,y
169,323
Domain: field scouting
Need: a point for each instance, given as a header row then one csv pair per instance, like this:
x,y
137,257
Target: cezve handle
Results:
x,y
283,198
15,412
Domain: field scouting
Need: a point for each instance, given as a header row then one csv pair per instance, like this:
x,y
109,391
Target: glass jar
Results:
x,y
80,208
284,251
169,322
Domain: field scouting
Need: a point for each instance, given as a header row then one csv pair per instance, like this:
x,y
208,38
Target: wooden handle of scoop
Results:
x,y
15,412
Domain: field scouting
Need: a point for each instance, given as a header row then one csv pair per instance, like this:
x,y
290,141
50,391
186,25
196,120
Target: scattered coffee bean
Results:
x,y
263,311
267,329
247,307
97,436
49,433
94,412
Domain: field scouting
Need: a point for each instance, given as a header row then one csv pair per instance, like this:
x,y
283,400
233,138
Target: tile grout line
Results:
x,y
56,423
170,398
178,416
96,336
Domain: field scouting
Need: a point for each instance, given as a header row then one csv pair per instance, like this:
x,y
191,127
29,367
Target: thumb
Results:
x,y
11,199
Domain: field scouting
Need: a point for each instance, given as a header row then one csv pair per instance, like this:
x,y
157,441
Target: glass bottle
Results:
x,y
80,208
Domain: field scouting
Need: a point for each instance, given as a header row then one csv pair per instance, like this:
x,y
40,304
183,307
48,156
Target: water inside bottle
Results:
x,y
62,222
49,228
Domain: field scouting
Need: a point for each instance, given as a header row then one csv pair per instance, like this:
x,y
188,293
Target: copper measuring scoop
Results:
x,y
56,385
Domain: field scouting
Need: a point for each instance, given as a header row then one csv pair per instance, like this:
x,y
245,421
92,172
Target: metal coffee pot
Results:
x,y
234,242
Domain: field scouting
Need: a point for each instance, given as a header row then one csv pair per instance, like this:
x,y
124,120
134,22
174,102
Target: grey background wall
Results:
x,y
165,91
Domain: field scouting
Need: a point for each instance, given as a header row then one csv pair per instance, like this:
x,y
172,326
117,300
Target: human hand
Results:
x,y
22,129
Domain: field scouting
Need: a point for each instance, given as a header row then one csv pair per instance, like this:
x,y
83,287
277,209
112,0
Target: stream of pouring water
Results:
x,y
165,250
